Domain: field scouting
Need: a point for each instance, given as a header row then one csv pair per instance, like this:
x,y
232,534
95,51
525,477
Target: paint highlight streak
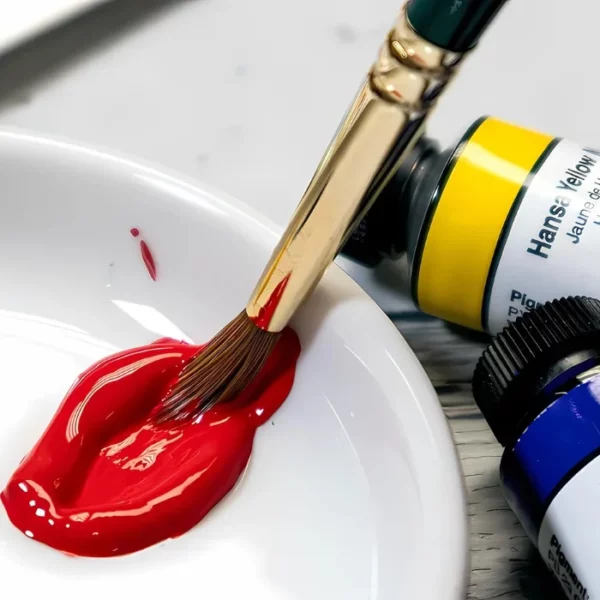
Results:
x,y
265,314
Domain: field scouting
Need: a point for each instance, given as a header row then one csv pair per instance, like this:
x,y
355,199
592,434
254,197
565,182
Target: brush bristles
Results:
x,y
224,367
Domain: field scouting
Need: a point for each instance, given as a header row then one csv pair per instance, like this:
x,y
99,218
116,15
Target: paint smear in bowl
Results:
x,y
105,480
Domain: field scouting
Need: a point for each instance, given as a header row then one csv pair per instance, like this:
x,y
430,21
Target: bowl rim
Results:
x,y
447,527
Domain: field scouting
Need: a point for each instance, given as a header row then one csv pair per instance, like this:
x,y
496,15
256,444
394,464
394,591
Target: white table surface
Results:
x,y
204,87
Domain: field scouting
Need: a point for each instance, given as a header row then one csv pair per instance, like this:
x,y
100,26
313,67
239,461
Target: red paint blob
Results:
x,y
148,260
134,231
263,319
104,480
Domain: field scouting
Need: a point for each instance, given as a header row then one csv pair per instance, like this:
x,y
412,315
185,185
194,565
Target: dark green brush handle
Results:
x,y
453,25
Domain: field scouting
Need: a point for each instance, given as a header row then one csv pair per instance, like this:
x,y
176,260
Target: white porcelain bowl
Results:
x,y
354,490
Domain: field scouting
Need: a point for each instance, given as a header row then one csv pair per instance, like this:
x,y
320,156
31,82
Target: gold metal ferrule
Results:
x,y
384,122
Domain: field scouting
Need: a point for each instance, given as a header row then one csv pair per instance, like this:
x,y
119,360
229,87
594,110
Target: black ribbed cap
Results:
x,y
529,354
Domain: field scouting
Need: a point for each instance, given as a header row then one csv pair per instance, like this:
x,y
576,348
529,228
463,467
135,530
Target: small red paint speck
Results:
x,y
148,260
134,231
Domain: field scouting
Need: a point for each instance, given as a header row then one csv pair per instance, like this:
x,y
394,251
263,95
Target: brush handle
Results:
x,y
455,25
381,127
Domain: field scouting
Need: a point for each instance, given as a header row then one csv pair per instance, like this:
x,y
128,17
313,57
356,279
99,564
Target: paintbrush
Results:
x,y
419,57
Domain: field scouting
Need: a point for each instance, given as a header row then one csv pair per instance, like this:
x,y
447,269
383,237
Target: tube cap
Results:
x,y
454,25
529,355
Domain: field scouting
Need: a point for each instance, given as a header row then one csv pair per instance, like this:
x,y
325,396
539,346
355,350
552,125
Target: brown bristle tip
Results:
x,y
224,367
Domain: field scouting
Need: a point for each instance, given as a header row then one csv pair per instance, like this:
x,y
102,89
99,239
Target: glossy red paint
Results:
x,y
263,319
105,480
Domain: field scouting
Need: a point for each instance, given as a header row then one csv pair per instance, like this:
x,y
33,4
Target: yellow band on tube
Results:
x,y
467,222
